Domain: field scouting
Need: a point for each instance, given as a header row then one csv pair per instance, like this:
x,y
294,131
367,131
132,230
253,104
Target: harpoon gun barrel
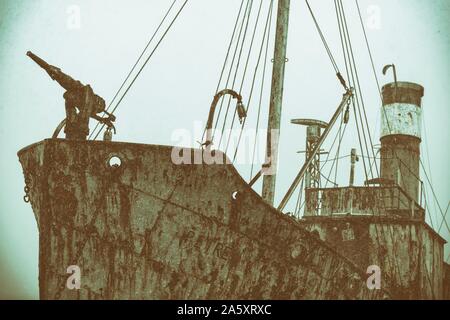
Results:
x,y
56,74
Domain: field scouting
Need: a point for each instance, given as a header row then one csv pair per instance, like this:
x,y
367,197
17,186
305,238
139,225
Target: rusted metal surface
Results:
x,y
447,281
400,161
150,229
378,201
402,92
409,253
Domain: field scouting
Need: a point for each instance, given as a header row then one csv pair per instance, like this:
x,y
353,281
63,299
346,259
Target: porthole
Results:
x,y
114,162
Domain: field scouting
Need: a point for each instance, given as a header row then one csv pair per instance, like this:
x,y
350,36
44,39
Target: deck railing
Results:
x,y
378,200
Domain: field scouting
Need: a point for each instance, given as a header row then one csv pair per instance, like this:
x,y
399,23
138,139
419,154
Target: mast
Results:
x,y
276,98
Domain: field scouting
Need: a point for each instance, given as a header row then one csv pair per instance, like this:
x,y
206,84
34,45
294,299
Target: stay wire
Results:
x,y
145,63
336,155
261,50
236,49
379,90
341,134
234,111
444,221
361,98
322,37
338,3
245,21
369,50
244,76
344,46
445,216
369,137
262,86
343,36
299,200
428,159
225,64
426,207
135,64
355,79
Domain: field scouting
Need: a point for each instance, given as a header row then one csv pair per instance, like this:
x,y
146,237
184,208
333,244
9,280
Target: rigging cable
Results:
x,y
376,78
426,206
371,59
341,135
251,47
350,66
345,38
338,74
340,78
343,45
337,153
229,73
244,74
135,64
429,162
368,49
327,48
262,86
355,79
246,17
334,183
145,63
336,158
229,46
331,147
224,65
261,50
341,19
361,97
299,201
384,111
445,215
444,221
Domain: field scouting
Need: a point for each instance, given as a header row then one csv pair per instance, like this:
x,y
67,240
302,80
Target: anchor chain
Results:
x,y
26,189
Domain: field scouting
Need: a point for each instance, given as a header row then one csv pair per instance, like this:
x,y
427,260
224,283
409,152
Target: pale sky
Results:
x,y
175,89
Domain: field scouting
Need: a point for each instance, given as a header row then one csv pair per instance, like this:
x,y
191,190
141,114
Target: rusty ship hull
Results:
x,y
151,229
